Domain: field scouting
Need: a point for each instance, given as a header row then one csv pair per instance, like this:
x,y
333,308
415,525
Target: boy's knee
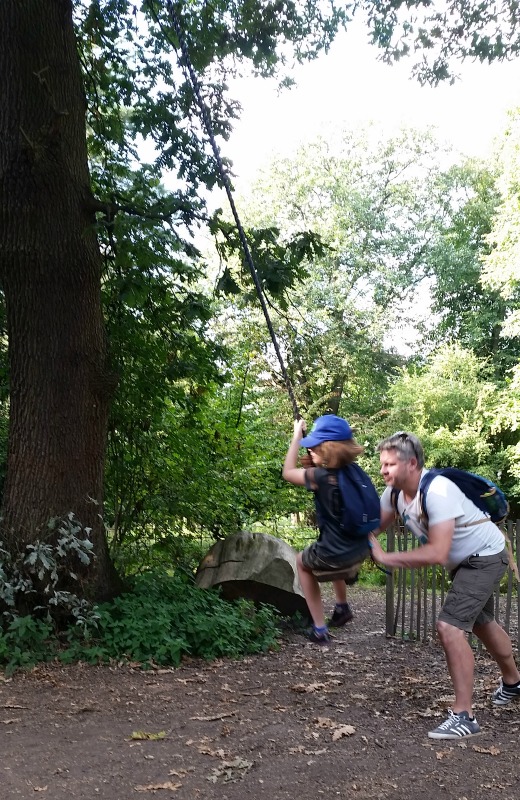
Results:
x,y
300,566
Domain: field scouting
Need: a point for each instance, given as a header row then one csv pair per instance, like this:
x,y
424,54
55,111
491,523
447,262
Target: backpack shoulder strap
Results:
x,y
353,471
394,496
424,485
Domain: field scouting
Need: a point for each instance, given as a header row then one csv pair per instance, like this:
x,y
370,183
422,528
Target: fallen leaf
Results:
x,y
149,736
427,713
341,731
325,722
231,771
307,688
205,749
492,751
154,787
495,785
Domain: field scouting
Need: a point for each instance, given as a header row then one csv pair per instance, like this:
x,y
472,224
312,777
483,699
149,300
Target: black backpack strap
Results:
x,y
394,495
424,485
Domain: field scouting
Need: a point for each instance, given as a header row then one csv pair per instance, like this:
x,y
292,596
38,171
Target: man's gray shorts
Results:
x,y
470,599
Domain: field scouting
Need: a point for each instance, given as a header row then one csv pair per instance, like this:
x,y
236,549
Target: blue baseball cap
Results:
x,y
328,428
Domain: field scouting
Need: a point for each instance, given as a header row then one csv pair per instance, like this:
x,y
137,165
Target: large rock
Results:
x,y
255,566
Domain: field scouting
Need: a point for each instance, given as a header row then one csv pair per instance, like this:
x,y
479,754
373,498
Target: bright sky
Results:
x,y
349,86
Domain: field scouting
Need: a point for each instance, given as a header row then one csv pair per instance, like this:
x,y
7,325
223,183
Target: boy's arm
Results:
x,y
291,472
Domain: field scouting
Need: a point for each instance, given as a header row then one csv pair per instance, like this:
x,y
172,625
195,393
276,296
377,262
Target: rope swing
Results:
x,y
190,73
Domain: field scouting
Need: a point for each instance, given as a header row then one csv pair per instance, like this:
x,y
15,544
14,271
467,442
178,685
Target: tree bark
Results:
x,y
50,269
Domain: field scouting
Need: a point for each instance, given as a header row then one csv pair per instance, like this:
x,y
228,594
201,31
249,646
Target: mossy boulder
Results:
x,y
255,566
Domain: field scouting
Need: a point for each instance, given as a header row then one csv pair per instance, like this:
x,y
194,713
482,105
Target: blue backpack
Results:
x,y
485,494
361,507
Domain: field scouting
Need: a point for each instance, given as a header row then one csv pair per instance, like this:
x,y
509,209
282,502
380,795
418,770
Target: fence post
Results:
x,y
517,556
417,618
390,586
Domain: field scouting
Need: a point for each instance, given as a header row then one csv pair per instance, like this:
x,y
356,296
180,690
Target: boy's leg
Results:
x,y
340,592
342,611
311,590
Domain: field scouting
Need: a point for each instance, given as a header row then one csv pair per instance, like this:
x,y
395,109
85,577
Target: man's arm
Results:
x,y
435,551
387,519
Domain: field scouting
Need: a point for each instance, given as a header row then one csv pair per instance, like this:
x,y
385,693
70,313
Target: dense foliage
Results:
x,y
156,622
352,240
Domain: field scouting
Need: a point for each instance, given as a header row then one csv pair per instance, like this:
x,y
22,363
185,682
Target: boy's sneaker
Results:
x,y
340,616
504,694
457,726
319,638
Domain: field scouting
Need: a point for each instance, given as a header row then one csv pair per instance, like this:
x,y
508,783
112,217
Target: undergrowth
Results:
x,y
158,621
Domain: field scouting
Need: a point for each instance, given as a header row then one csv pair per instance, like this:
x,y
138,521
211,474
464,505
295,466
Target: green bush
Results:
x,y
163,618
26,641
40,581
157,622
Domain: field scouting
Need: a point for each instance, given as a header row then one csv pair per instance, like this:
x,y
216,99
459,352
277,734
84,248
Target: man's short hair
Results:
x,y
406,445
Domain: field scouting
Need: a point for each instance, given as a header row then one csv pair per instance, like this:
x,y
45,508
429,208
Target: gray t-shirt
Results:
x,y
474,532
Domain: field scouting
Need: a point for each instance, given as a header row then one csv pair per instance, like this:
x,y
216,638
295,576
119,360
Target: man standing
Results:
x,y
460,537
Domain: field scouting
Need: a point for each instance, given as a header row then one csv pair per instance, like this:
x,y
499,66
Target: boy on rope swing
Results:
x,y
331,447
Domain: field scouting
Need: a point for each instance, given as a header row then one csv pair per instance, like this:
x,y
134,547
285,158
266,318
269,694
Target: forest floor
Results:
x,y
348,721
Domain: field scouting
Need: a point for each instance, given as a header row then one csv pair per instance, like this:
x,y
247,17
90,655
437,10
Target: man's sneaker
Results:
x,y
457,726
319,638
341,616
504,694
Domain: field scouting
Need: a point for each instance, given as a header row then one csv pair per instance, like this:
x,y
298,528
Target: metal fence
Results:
x,y
414,597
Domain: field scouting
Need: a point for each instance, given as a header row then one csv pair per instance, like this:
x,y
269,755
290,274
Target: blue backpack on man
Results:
x,y
485,494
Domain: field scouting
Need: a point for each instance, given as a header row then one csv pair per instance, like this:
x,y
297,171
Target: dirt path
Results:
x,y
348,720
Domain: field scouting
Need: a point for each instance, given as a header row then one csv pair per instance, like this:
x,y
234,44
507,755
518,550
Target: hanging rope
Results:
x,y
186,63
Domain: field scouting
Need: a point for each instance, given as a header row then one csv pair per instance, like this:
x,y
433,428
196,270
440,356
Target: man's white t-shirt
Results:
x,y
446,501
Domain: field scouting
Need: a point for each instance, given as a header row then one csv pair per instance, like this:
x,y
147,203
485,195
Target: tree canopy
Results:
x,y
442,35
502,263
91,241
112,335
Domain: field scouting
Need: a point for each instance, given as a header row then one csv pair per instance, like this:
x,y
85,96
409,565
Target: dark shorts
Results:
x,y
312,560
470,599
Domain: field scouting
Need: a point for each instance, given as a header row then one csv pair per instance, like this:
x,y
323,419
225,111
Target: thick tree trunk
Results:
x,y
50,269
